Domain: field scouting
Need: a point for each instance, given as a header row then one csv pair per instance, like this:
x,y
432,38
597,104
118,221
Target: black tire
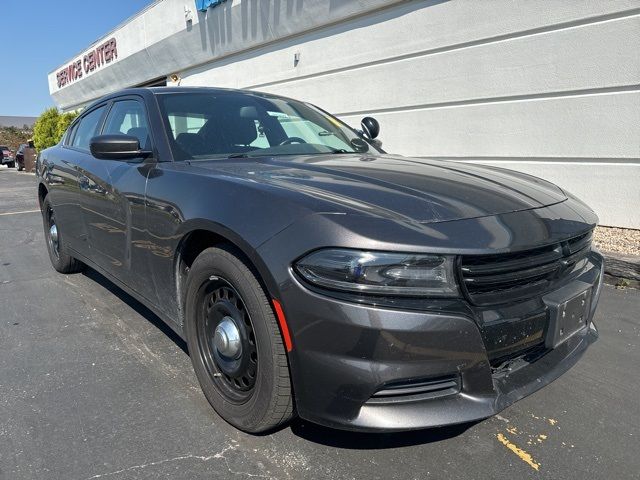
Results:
x,y
221,286
60,260
11,165
19,166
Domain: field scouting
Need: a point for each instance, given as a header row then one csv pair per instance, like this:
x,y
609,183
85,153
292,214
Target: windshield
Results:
x,y
203,125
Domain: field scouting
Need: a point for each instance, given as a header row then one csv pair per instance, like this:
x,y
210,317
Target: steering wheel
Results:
x,y
291,140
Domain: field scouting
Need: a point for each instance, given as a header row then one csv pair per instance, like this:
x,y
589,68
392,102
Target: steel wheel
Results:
x,y
61,261
235,343
52,237
226,340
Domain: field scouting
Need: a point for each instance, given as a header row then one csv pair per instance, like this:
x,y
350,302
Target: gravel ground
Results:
x,y
618,240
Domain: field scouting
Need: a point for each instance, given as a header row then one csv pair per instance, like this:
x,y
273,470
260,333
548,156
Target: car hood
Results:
x,y
403,188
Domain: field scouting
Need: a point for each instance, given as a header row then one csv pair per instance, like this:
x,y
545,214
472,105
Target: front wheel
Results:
x,y
11,165
235,344
60,260
19,166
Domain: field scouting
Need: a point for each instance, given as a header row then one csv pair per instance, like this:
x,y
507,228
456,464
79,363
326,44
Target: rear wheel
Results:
x,y
19,166
235,344
60,260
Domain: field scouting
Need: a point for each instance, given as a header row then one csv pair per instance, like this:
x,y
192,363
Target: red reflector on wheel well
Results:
x,y
284,328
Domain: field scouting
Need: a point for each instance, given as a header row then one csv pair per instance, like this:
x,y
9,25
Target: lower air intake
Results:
x,y
417,390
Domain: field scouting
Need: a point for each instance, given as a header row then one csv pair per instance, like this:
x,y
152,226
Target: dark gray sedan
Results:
x,y
313,274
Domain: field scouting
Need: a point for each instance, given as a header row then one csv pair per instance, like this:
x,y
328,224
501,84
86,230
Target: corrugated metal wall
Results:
x,y
550,88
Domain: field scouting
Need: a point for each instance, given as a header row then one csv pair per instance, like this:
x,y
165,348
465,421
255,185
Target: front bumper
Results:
x,y
345,354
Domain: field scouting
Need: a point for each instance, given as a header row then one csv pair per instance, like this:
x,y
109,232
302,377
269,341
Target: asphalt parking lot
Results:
x,y
92,385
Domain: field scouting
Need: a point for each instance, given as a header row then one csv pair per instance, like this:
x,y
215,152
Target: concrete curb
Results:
x,y
618,267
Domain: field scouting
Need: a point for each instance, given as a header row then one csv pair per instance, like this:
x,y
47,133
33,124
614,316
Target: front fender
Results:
x,y
182,199
191,226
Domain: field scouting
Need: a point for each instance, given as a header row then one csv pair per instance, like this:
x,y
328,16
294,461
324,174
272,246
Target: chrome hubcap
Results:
x,y
53,231
226,339
53,234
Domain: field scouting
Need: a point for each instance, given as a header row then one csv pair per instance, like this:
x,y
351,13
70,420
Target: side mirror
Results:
x,y
116,147
370,127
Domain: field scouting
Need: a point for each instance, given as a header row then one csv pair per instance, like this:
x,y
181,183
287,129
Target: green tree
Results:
x,y
50,126
64,121
45,130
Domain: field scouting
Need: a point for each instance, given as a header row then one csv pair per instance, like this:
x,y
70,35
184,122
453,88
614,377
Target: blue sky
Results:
x,y
38,36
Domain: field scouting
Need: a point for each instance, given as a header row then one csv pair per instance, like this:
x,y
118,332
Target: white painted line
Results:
x,y
18,213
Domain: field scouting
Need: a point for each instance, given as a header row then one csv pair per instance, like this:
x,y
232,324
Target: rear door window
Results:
x,y
88,128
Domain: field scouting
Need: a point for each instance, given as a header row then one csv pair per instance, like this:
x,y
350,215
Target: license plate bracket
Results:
x,y
569,309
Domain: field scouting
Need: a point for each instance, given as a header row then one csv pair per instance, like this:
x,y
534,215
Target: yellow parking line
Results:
x,y
18,213
524,456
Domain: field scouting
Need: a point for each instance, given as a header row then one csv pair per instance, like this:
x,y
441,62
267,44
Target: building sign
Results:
x,y
203,5
103,54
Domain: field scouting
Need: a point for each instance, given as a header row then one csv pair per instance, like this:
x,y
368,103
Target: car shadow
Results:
x,y
301,428
137,306
374,440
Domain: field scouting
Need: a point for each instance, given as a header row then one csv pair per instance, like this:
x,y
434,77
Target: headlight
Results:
x,y
379,273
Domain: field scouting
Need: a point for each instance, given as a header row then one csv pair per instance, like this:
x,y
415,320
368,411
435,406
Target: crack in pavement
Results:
x,y
203,458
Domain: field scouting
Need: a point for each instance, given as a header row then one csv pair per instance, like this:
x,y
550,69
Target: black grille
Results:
x,y
493,279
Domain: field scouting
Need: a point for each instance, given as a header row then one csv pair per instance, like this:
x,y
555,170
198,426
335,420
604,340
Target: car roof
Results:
x,y
144,91
161,90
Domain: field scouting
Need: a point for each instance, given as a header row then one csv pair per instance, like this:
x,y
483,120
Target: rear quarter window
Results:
x,y
68,135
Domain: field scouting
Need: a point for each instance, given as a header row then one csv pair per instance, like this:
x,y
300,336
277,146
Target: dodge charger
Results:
x,y
313,274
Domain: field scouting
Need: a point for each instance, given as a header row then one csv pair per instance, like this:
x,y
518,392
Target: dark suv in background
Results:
x,y
20,156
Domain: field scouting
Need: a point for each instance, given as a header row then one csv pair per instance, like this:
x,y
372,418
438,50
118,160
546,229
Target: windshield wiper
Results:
x,y
333,151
